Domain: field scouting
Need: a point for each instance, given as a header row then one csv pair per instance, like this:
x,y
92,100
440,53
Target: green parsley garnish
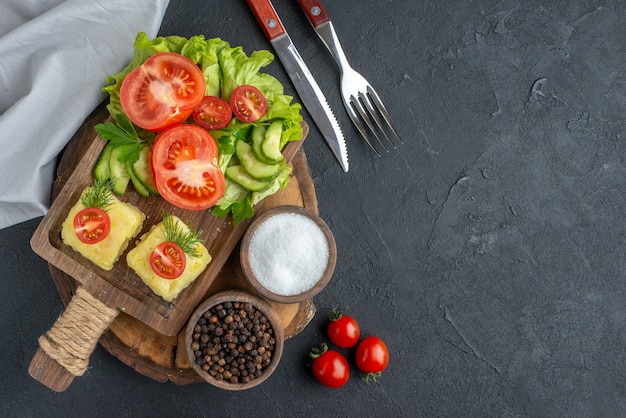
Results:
x,y
186,240
122,135
98,196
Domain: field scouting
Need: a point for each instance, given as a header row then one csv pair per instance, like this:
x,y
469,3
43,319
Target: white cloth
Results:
x,y
55,56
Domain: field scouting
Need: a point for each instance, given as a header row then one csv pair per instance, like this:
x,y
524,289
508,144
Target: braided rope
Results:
x,y
74,335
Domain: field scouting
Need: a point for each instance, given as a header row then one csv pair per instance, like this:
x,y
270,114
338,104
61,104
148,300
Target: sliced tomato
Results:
x,y
212,113
163,91
92,225
248,103
185,168
168,260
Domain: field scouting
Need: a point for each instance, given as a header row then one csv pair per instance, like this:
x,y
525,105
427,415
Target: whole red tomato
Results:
x,y
343,330
330,367
372,357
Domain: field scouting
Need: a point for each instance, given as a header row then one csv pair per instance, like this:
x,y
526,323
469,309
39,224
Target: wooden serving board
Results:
x,y
147,332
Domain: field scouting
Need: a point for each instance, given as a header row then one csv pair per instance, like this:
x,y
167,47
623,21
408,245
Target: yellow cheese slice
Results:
x,y
126,222
139,260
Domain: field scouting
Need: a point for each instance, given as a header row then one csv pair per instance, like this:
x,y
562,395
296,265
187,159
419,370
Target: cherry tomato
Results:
x,y
372,356
343,330
212,113
248,103
330,367
92,225
185,168
168,260
163,91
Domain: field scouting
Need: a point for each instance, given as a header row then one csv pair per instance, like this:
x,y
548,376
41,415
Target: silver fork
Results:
x,y
359,98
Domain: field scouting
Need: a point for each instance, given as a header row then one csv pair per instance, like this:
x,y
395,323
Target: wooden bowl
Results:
x,y
242,297
304,287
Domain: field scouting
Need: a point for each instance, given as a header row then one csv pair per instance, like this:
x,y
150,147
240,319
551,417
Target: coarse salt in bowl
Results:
x,y
288,254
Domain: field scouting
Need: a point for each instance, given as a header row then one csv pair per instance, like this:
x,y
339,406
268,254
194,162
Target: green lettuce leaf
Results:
x,y
224,68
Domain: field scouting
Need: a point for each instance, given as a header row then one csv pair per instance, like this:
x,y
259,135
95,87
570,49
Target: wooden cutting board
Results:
x,y
147,330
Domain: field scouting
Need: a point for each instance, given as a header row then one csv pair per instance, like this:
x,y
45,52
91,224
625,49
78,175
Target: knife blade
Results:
x,y
309,91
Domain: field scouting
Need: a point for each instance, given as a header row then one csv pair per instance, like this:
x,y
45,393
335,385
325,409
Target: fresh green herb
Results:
x,y
122,135
98,196
242,210
186,240
226,139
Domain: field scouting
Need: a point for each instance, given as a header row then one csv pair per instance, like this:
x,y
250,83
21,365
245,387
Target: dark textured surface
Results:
x,y
488,251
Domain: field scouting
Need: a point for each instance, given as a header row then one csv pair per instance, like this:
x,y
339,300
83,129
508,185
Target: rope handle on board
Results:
x,y
65,349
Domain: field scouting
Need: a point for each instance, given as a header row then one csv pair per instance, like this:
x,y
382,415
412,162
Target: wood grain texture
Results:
x,y
314,11
267,18
139,345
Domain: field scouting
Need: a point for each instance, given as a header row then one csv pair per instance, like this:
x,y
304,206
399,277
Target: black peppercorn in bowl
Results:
x,y
234,340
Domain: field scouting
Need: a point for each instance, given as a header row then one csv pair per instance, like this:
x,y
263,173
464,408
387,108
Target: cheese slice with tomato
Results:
x,y
138,259
126,222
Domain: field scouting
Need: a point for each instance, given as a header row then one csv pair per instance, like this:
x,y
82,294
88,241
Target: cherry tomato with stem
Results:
x,y
330,367
372,357
343,330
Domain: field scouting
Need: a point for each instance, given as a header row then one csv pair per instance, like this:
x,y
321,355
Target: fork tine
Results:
x,y
367,99
360,100
383,111
351,110
366,116
360,106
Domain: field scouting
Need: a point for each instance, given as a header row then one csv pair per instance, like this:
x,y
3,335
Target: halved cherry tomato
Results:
x,y
248,103
168,260
330,367
343,330
163,91
92,225
185,168
372,356
212,113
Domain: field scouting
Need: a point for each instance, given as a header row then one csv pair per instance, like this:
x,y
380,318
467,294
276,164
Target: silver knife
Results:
x,y
302,79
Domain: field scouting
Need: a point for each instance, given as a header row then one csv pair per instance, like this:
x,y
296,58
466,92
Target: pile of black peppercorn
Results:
x,y
234,342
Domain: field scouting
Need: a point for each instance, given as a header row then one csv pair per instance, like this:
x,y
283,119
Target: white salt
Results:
x,y
288,254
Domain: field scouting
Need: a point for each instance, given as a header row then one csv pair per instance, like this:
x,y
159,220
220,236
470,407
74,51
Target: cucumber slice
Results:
x,y
258,136
118,172
270,147
239,175
275,185
254,167
142,169
137,184
101,170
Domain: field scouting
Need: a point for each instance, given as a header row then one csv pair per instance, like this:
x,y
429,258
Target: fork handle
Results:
x,y
268,19
319,19
314,11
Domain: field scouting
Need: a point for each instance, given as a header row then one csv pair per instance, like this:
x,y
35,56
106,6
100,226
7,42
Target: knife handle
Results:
x,y
265,14
314,11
